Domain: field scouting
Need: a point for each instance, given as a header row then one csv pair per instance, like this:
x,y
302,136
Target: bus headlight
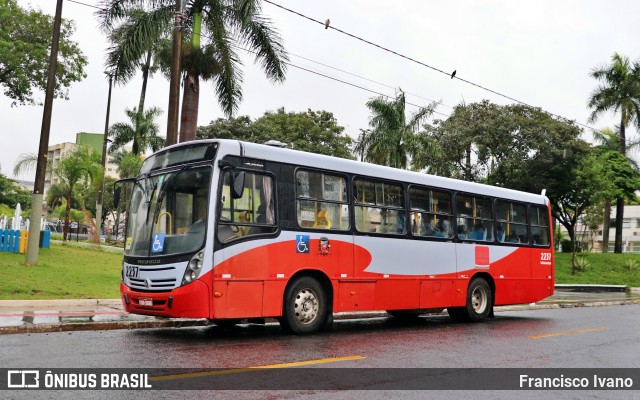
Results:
x,y
193,268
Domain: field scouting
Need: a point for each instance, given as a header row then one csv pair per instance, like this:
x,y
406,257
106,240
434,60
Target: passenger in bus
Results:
x,y
513,238
479,233
260,218
429,229
500,233
462,232
322,220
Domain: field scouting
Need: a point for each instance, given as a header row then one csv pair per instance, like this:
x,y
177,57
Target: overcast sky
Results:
x,y
539,52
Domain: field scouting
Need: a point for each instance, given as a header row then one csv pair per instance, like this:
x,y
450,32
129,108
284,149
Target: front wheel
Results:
x,y
305,307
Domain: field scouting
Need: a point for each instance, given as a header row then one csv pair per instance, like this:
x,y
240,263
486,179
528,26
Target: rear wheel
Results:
x,y
305,307
479,300
479,303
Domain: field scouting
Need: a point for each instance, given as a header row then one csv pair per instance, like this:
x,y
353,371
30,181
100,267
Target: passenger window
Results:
x,y
511,222
379,207
430,213
321,201
474,218
539,226
251,214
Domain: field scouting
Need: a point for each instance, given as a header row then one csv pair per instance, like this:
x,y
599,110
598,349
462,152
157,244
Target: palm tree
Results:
x,y
225,25
82,164
392,140
143,132
619,90
133,44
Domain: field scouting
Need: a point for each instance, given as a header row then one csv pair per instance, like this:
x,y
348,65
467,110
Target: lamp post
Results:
x,y
104,161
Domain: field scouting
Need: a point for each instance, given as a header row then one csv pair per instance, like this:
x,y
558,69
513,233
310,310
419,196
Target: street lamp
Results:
x,y
104,160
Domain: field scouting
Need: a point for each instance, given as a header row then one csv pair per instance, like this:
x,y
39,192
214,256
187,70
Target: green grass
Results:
x,y
73,271
65,271
604,268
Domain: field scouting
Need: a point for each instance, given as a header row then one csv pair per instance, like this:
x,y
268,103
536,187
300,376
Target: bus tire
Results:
x,y
304,308
479,300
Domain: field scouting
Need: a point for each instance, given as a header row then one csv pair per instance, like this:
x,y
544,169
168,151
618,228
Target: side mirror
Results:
x,y
238,185
116,196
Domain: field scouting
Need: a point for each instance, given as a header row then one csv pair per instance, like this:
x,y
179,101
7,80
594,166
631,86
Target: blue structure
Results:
x,y
9,241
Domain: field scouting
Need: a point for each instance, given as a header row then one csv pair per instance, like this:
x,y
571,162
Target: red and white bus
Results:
x,y
227,230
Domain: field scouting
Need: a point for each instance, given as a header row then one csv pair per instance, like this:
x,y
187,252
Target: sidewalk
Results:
x,y
39,316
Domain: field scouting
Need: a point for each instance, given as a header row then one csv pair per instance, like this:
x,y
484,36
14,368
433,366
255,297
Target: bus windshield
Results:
x,y
168,213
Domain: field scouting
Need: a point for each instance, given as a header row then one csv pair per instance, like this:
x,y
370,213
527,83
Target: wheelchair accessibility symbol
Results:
x,y
302,244
157,246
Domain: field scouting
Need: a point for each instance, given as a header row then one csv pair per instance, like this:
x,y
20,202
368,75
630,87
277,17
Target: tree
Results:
x,y
238,128
498,145
128,165
143,132
11,194
312,131
25,42
81,165
392,140
580,189
133,44
223,26
619,90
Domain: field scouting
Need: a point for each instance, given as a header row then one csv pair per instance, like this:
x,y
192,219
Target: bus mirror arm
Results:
x,y
116,196
118,189
224,164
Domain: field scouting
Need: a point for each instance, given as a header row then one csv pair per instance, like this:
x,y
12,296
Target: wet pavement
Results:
x,y
37,316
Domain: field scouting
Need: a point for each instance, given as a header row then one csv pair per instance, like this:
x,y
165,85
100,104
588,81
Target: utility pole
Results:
x,y
174,85
104,161
43,149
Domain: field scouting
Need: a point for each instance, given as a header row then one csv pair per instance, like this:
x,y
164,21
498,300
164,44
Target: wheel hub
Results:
x,y
306,306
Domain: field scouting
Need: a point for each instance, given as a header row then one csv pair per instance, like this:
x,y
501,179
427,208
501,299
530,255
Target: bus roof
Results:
x,y
320,161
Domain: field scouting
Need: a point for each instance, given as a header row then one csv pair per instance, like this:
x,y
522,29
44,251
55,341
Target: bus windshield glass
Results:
x,y
168,213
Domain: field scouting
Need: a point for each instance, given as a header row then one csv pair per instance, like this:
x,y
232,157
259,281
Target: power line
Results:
x,y
87,5
335,79
380,83
452,76
367,79
321,74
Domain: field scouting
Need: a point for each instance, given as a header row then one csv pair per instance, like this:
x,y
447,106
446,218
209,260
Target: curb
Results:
x,y
569,287
183,323
61,305
101,326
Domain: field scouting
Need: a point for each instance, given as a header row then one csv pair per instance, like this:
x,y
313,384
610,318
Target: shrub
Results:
x,y
582,264
631,265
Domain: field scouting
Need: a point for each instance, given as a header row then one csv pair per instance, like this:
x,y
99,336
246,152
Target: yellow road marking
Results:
x,y
247,369
567,332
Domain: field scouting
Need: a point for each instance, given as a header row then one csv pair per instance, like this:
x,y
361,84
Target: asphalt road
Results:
x,y
589,337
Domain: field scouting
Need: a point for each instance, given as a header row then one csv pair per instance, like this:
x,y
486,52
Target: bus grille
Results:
x,y
154,284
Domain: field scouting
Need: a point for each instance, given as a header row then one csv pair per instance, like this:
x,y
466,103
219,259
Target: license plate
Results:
x,y
145,302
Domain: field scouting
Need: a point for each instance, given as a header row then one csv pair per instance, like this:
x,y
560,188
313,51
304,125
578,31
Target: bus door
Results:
x,y
243,268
